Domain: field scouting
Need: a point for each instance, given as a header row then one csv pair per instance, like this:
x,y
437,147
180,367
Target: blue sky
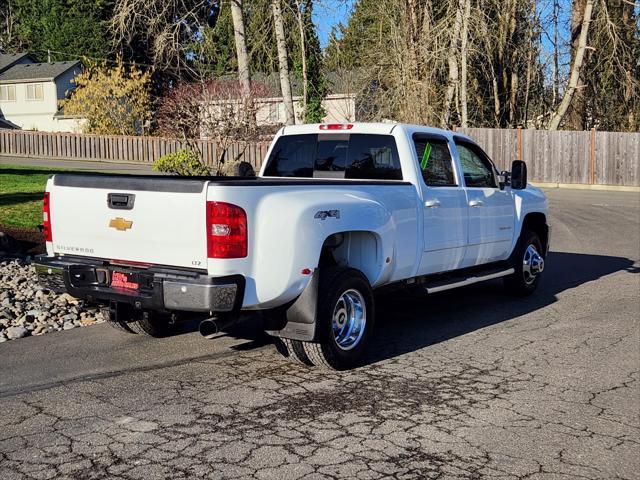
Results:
x,y
329,13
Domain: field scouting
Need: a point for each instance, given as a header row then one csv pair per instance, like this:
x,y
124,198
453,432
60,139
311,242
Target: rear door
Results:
x,y
444,205
159,220
491,209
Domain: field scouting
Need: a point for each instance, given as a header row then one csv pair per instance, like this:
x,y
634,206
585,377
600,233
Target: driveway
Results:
x,y
464,384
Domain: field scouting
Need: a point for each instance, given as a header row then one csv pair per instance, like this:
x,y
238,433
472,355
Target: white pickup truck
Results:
x,y
337,212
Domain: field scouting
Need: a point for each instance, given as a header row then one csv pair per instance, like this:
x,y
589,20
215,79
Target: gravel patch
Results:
x,y
27,308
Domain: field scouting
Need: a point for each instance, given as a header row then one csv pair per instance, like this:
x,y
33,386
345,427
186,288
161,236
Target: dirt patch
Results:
x,y
30,239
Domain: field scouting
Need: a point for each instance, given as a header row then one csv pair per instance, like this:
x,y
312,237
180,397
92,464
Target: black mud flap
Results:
x,y
299,318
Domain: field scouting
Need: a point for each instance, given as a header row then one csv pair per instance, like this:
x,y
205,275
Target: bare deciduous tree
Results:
x,y
464,59
303,49
452,60
161,31
576,68
283,62
244,74
7,28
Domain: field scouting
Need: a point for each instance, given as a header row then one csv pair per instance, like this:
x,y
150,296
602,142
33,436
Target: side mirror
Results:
x,y
519,175
504,179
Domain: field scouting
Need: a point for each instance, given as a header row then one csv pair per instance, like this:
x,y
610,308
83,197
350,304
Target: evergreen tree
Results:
x,y
350,45
316,82
70,29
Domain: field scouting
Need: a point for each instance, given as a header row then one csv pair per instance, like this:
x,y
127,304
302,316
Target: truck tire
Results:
x,y
120,326
152,326
295,352
528,262
345,319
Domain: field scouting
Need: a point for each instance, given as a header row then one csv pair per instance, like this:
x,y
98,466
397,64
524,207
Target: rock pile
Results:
x,y
27,308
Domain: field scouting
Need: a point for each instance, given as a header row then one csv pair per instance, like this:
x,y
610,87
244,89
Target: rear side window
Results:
x,y
352,156
435,161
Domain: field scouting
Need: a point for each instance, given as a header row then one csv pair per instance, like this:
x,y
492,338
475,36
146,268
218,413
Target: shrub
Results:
x,y
184,162
114,100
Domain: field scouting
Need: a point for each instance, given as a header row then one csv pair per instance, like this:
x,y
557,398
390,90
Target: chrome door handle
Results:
x,y
476,203
432,203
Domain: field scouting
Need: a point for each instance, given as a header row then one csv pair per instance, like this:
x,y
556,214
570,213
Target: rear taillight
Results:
x,y
226,231
46,217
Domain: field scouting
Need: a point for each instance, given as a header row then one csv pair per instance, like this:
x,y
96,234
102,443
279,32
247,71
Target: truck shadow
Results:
x,y
406,323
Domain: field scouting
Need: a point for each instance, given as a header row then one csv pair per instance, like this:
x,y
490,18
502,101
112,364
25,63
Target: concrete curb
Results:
x,y
584,186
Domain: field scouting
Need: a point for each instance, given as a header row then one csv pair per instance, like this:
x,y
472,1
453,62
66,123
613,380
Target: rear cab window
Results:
x,y
335,155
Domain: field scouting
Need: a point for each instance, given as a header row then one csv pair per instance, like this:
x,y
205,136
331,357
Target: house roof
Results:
x,y
4,123
36,72
6,60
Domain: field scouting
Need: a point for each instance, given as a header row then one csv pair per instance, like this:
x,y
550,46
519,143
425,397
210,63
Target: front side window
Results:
x,y
7,93
476,167
339,155
435,161
34,91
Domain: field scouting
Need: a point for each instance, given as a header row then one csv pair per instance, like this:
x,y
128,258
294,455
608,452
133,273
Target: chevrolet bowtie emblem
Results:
x,y
120,224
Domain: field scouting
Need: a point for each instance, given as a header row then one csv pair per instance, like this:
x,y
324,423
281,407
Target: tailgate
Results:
x,y
155,220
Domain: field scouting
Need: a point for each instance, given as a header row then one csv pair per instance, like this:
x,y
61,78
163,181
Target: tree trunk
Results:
x,y
283,63
576,68
244,75
556,54
7,29
464,54
303,49
414,27
452,59
631,78
529,70
511,80
575,117
513,97
496,99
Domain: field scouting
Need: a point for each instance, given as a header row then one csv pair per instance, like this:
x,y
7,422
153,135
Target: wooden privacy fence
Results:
x,y
114,148
602,158
591,157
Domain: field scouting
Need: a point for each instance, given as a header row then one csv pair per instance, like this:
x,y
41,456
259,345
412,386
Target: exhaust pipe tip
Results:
x,y
209,328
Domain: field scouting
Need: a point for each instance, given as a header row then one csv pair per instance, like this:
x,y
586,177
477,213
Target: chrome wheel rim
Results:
x,y
532,264
349,320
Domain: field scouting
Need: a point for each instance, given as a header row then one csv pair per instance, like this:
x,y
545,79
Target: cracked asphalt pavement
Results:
x,y
464,384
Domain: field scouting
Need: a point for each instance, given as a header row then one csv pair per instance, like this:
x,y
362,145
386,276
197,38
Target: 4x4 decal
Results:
x,y
323,214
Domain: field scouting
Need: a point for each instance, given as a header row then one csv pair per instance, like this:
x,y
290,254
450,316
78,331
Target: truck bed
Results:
x,y
170,183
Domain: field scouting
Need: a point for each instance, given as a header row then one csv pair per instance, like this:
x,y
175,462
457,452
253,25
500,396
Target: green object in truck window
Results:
x,y
425,156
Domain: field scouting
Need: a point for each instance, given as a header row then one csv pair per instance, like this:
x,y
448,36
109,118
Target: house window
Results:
x,y
34,91
7,93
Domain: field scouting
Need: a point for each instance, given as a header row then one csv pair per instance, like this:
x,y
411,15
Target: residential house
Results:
x,y
270,112
9,60
30,93
340,104
338,107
